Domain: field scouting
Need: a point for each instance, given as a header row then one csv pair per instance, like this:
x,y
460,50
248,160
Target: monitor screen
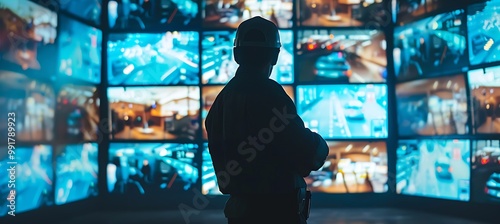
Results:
x,y
162,58
151,168
343,56
76,172
27,38
485,185
209,93
408,10
484,32
344,111
77,113
152,14
31,186
209,184
89,10
352,167
230,14
155,112
437,168
431,107
218,65
431,46
79,50
341,13
484,85
33,103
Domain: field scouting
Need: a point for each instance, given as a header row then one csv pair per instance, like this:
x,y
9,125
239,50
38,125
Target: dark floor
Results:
x,y
318,216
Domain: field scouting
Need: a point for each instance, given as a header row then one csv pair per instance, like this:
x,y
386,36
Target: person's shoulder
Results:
x,y
276,91
271,86
273,83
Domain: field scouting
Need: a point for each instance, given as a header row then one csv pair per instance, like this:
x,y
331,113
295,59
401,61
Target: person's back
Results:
x,y
259,145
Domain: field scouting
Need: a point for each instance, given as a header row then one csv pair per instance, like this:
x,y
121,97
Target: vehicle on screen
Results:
x,y
333,66
434,168
443,168
354,110
493,186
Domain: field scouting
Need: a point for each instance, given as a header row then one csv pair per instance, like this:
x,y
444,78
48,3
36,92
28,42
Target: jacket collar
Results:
x,y
253,74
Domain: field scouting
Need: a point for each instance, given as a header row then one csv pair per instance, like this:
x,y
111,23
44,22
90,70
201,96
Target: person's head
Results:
x,y
257,43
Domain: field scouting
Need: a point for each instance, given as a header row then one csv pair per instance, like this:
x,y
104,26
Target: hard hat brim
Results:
x,y
257,44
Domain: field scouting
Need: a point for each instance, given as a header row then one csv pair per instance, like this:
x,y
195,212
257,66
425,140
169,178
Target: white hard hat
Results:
x,y
257,32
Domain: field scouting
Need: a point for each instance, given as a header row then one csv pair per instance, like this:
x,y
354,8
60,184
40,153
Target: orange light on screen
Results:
x,y
348,73
310,47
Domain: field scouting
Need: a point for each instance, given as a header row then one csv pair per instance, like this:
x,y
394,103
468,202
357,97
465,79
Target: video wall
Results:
x,y
49,85
144,81
168,60
447,84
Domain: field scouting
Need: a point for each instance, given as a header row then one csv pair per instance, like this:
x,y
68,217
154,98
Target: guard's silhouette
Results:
x,y
259,146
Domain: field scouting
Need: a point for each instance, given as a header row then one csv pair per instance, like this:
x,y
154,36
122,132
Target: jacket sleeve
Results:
x,y
306,150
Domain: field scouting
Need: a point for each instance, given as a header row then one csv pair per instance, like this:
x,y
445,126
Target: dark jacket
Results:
x,y
257,142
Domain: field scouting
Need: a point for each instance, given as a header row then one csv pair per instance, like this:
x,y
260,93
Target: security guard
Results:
x,y
259,146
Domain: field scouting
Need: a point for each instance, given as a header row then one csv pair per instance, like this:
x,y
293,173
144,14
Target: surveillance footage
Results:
x,y
155,113
344,111
89,10
432,46
438,168
218,65
163,58
352,167
483,22
76,172
77,113
34,179
33,103
484,85
486,171
79,50
432,107
341,13
209,185
341,56
408,10
152,14
149,168
209,93
27,38
229,14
